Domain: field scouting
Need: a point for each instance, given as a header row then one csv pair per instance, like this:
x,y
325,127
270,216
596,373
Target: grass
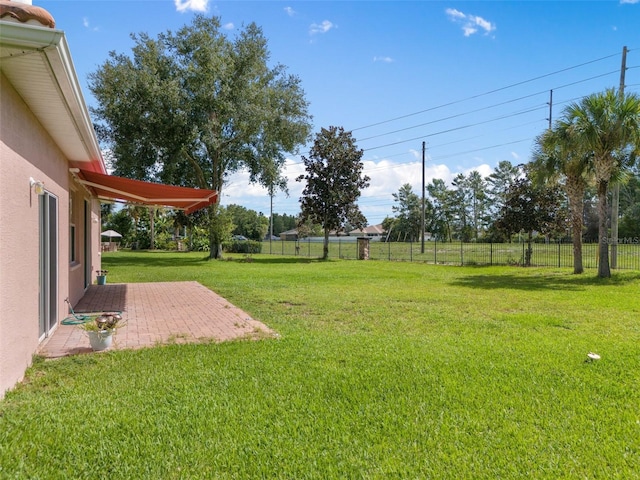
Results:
x,y
382,370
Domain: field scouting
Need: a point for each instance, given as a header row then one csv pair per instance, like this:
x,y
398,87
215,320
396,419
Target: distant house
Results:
x,y
289,235
370,231
53,177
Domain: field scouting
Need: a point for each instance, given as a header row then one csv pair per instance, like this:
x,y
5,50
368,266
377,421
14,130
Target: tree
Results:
x,y
630,208
479,202
557,153
607,125
334,181
283,222
409,214
443,205
191,107
248,223
498,183
122,223
530,208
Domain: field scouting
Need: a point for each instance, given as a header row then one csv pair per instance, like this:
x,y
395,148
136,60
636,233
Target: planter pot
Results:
x,y
100,340
102,279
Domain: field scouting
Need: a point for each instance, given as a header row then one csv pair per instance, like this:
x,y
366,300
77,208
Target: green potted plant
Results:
x,y
100,330
101,276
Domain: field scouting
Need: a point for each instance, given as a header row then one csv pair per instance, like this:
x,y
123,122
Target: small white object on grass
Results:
x,y
593,356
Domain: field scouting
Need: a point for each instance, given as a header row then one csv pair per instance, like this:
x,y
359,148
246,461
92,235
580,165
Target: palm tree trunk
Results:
x,y
577,245
575,190
604,270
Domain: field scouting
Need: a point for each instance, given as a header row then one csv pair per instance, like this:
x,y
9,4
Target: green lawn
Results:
x,y
382,370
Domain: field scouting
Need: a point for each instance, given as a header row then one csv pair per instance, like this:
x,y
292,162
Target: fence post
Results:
x,y
389,250
411,251
461,254
559,242
491,254
435,252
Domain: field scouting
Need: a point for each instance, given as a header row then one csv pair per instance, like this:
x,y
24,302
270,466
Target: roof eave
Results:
x,y
81,147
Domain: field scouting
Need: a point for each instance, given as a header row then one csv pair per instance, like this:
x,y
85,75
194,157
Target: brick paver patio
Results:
x,y
155,314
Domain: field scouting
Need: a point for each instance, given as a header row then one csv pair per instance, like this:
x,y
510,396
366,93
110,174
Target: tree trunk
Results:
x,y
325,246
152,221
603,246
529,251
575,190
215,242
577,246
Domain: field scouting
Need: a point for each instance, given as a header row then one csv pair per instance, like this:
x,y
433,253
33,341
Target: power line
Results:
x,y
506,102
449,130
485,93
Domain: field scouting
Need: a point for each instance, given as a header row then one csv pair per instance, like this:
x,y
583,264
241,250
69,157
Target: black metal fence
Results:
x,y
457,253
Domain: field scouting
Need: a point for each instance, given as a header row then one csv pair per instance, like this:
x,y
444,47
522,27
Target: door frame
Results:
x,y
49,249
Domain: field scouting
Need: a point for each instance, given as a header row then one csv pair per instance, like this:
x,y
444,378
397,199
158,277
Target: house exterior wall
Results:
x,y
26,150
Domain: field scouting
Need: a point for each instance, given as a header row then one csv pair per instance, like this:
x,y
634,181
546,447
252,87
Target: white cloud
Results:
x,y
629,1
455,14
323,27
386,178
483,169
290,11
469,30
86,24
193,5
238,187
383,59
470,23
228,26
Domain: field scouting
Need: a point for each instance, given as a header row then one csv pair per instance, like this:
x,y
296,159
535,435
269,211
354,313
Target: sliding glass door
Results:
x,y
48,205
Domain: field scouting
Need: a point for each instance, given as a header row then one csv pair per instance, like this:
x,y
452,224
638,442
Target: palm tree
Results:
x,y
557,154
606,124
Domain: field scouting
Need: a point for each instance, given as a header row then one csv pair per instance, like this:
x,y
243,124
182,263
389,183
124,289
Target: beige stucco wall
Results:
x,y
26,150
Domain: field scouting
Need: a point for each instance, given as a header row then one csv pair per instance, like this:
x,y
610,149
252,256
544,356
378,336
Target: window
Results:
x,y
73,244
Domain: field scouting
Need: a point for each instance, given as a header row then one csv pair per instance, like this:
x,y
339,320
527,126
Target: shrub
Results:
x,y
242,246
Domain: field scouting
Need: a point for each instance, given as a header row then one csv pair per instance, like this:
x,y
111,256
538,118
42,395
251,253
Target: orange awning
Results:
x,y
110,187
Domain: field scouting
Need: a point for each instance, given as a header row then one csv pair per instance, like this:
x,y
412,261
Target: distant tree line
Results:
x,y
135,222
472,208
564,192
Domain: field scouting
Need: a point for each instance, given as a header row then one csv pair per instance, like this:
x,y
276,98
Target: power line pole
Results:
x,y
550,108
615,197
424,148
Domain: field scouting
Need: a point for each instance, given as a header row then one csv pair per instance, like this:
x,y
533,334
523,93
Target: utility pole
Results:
x,y
270,217
615,197
424,149
550,108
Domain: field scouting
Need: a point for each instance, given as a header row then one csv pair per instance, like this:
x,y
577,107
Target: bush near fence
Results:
x,y
456,253
242,246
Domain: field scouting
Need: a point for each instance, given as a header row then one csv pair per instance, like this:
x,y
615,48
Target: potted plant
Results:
x,y
100,330
102,276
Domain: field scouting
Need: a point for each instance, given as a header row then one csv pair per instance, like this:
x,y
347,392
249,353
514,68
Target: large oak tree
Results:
x,y
192,107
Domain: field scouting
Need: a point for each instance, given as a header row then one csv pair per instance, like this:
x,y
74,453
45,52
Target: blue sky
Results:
x,y
471,79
